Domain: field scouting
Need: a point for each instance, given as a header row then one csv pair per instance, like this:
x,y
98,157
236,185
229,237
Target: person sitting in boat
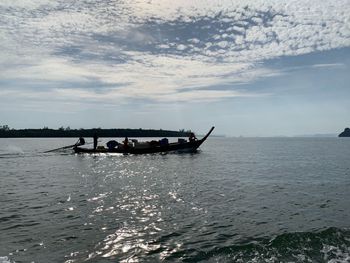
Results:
x,y
81,141
95,140
192,137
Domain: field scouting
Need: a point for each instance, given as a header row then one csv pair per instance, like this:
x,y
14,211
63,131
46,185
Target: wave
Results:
x,y
4,260
331,245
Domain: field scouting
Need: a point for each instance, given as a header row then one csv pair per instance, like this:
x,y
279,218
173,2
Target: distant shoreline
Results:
x,y
69,133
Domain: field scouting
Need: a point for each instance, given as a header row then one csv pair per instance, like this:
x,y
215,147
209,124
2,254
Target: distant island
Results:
x,y
6,132
345,133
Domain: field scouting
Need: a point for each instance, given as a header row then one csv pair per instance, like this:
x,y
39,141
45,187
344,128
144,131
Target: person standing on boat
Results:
x,y
126,141
95,140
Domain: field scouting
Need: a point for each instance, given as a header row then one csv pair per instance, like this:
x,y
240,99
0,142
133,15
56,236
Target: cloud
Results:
x,y
330,65
154,50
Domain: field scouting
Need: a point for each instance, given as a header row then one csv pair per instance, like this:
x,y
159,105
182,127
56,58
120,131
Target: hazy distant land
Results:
x,y
345,133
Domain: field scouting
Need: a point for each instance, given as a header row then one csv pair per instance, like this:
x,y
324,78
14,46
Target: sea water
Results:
x,y
236,200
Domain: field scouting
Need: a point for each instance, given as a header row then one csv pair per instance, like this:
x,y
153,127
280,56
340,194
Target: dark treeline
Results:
x,y
6,132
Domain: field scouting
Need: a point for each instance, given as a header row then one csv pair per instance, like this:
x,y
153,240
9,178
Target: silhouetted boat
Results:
x,y
181,146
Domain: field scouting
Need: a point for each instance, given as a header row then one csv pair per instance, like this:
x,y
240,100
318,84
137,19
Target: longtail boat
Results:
x,y
180,146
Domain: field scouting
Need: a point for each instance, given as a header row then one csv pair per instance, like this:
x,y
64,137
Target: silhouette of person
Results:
x,y
192,137
95,140
81,141
126,141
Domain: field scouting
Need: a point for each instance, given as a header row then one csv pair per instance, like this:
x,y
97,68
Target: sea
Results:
x,y
235,200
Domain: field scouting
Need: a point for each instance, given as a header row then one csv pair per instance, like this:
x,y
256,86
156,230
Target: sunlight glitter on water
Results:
x,y
122,242
99,197
169,251
129,242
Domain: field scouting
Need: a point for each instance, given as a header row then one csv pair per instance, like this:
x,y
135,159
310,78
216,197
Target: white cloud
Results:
x,y
181,47
160,48
328,65
28,4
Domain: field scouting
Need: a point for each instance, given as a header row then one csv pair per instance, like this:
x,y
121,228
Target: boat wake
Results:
x,y
10,155
11,151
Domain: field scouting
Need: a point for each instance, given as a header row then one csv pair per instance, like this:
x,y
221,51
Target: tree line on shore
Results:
x,y
7,132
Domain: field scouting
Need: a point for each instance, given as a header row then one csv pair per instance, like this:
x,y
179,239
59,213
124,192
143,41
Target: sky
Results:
x,y
250,68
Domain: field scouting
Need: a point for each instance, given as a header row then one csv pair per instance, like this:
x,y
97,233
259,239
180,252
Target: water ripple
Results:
x,y
238,200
